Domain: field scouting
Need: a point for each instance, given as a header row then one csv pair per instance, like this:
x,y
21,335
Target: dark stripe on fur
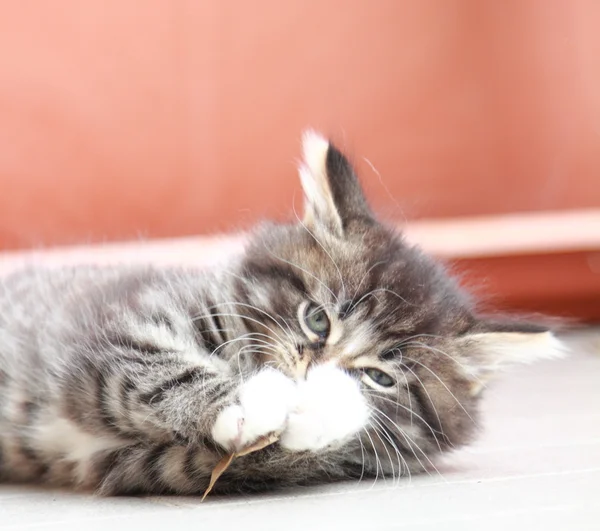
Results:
x,y
161,319
158,393
126,387
348,308
107,465
209,328
102,397
128,343
30,410
208,340
219,391
274,272
218,327
152,466
189,466
209,444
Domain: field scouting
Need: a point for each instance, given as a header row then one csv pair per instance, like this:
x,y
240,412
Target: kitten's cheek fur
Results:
x,y
330,410
265,402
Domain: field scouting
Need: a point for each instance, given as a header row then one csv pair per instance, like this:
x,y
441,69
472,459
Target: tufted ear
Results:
x,y
494,347
332,194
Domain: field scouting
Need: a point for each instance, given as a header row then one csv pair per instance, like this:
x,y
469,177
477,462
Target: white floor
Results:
x,y
536,466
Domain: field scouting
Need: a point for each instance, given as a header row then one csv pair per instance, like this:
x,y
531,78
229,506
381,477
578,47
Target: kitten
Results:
x,y
356,347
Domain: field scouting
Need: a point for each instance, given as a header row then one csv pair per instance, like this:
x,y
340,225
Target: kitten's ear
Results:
x,y
333,196
493,347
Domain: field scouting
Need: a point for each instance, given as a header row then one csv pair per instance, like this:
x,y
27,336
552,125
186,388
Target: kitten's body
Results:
x,y
128,379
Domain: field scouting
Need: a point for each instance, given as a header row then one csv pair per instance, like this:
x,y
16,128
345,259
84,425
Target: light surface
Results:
x,y
536,466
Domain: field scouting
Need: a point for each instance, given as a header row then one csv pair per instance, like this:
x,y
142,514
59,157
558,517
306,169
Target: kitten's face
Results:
x,y
340,289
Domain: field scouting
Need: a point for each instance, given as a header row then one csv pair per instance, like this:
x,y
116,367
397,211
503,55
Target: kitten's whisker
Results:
x,y
377,432
288,333
362,454
416,415
234,303
247,349
248,336
411,446
264,312
259,350
435,411
408,438
275,365
443,353
445,387
377,461
399,454
410,338
241,316
399,457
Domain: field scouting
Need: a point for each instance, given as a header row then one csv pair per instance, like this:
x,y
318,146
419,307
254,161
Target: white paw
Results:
x,y
265,401
330,409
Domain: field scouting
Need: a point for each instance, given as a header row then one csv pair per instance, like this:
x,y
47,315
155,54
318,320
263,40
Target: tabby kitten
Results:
x,y
354,346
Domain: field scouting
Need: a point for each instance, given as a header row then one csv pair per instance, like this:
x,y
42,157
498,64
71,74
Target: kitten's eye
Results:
x,y
316,320
380,377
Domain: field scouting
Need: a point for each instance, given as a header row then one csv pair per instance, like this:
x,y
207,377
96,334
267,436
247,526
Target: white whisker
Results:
x,y
241,316
416,415
445,387
260,310
377,461
443,353
408,438
424,387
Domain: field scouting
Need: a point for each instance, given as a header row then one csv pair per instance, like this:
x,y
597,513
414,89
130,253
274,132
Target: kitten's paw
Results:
x,y
330,409
265,401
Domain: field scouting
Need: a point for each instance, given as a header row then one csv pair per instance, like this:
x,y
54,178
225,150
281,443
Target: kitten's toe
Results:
x,y
330,410
265,401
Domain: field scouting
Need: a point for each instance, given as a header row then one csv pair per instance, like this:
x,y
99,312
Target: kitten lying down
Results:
x,y
357,350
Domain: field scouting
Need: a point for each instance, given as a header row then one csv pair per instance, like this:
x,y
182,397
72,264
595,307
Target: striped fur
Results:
x,y
129,379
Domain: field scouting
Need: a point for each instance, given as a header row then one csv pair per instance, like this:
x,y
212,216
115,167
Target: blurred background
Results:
x,y
474,124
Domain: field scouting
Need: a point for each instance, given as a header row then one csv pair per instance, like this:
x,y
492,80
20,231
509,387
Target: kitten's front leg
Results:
x,y
230,411
157,396
166,399
259,406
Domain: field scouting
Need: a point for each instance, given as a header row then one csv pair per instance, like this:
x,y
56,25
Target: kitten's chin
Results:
x,y
330,411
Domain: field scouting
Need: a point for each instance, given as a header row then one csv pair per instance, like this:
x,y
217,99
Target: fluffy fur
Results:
x,y
137,380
